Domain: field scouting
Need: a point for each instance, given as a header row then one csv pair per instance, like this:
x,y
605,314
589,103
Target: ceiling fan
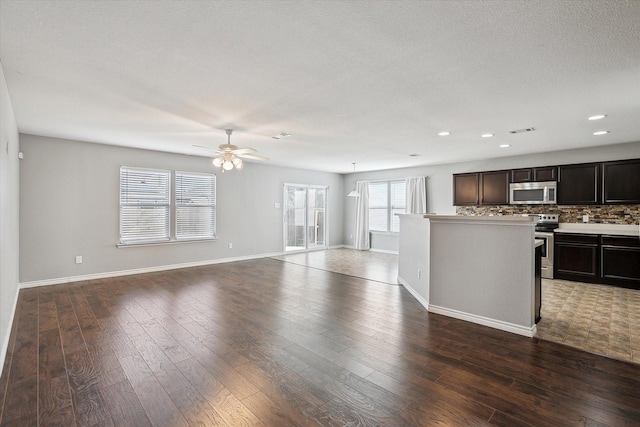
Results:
x,y
231,156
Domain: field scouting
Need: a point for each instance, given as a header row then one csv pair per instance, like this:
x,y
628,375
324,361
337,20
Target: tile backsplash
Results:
x,y
598,214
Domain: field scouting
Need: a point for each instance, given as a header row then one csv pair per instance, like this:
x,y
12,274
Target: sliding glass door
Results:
x,y
305,225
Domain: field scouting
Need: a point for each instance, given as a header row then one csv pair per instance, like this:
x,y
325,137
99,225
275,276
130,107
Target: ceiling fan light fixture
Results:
x,y
231,156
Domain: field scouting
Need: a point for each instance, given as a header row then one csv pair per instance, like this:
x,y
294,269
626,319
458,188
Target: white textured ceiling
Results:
x,y
366,82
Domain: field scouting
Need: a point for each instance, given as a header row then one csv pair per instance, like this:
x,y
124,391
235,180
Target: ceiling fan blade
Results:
x,y
244,151
202,146
252,157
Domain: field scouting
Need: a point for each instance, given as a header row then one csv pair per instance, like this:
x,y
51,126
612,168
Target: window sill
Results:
x,y
385,233
169,242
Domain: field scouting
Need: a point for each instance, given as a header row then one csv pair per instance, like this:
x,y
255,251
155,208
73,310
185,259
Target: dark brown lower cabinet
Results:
x,y
594,258
576,257
620,260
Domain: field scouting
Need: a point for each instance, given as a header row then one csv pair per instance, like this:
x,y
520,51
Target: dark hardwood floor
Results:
x,y
265,342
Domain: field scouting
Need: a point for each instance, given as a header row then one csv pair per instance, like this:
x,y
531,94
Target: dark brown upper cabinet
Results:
x,y
466,188
522,175
548,173
621,182
494,188
579,184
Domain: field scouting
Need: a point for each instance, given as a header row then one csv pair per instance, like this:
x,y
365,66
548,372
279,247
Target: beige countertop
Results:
x,y
616,229
501,219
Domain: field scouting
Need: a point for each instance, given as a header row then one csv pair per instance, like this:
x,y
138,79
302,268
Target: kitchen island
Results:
x,y
476,268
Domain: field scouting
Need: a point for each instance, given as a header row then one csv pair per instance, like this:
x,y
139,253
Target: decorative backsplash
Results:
x,y
598,214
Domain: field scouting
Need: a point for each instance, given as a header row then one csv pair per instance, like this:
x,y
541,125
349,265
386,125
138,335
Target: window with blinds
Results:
x,y
195,206
386,198
145,204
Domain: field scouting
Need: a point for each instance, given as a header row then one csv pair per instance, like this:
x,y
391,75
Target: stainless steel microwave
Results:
x,y
533,193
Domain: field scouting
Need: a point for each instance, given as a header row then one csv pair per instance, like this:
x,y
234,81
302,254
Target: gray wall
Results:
x,y
9,218
69,206
440,177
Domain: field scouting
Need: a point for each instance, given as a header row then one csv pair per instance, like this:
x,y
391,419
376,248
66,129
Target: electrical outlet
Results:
x,y
276,205
79,259
585,218
350,236
419,273
230,245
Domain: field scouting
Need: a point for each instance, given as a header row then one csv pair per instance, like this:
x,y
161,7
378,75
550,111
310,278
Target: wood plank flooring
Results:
x,y
265,342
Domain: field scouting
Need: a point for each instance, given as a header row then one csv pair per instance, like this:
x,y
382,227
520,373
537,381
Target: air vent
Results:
x,y
522,130
414,155
281,135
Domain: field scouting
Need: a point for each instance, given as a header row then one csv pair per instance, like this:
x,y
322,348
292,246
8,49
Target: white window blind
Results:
x,y
378,205
145,197
195,206
386,198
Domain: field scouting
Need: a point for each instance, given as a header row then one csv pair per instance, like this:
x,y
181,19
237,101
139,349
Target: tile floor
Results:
x,y
597,318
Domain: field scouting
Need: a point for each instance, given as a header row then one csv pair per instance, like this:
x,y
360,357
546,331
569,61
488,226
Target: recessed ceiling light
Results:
x,y
486,135
597,117
505,145
601,132
444,133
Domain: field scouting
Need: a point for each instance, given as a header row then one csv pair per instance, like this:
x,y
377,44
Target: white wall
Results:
x,y
440,177
69,206
9,218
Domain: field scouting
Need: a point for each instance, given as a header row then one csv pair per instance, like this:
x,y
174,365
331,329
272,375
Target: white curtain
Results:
x,y
361,237
416,195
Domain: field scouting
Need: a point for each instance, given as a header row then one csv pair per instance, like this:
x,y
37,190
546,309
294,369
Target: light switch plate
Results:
x,y
79,259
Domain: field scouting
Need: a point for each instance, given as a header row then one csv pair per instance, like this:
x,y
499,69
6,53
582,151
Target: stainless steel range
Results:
x,y
544,231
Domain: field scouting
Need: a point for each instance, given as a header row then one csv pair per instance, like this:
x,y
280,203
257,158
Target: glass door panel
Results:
x,y
295,202
305,221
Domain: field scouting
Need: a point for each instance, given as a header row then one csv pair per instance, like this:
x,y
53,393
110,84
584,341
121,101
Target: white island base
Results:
x,y
478,269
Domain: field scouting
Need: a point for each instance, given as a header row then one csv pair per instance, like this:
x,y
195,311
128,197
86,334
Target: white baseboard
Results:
x,y
7,337
384,251
474,318
94,276
340,247
413,292
485,321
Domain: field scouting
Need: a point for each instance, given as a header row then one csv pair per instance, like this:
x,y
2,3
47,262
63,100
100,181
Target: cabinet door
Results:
x,y
549,173
621,182
522,175
579,184
494,188
620,260
465,189
576,257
